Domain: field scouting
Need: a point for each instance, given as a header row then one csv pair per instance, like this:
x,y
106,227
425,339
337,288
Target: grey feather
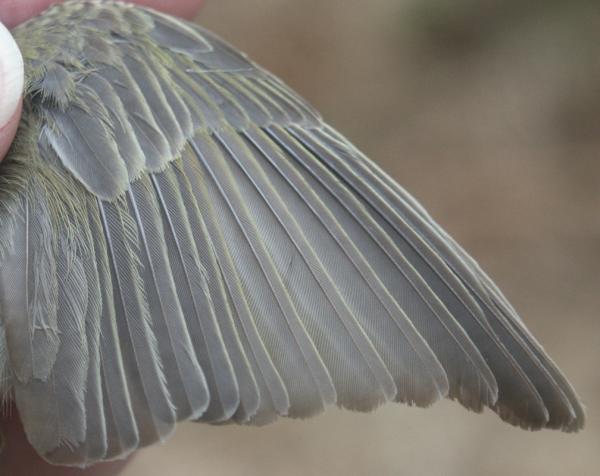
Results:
x,y
142,360
174,99
455,350
361,378
308,380
192,287
122,434
246,383
184,374
274,398
548,393
94,447
166,121
153,142
178,36
448,288
82,139
53,409
130,151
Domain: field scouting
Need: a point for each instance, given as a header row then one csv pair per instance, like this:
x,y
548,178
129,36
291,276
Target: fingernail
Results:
x,y
11,75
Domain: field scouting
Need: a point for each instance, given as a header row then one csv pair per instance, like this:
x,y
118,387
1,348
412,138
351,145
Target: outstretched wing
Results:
x,y
185,239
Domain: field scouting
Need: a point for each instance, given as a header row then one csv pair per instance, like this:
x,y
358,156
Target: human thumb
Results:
x,y
11,88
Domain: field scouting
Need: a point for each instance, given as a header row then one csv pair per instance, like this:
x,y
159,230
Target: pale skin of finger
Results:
x,y
18,458
11,86
14,12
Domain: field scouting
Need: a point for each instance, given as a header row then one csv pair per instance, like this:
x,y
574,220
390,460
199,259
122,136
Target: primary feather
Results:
x,y
183,238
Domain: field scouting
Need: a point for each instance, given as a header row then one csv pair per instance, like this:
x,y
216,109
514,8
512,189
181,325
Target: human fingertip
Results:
x,y
11,87
11,75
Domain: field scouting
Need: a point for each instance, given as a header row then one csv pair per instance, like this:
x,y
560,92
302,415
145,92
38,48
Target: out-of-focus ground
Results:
x,y
488,111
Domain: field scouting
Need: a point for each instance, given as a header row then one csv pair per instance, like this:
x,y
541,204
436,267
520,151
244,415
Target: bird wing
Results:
x,y
185,239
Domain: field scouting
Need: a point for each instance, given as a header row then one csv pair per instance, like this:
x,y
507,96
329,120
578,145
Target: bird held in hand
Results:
x,y
182,237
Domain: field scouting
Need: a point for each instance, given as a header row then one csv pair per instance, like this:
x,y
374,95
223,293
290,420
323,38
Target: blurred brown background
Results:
x,y
489,112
